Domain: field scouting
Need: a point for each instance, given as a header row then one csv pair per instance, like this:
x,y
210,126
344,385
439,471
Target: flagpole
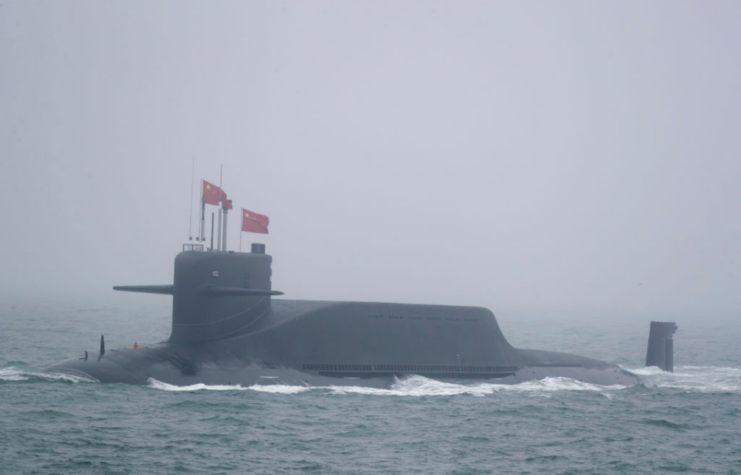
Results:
x,y
212,231
224,235
190,214
221,191
218,233
203,214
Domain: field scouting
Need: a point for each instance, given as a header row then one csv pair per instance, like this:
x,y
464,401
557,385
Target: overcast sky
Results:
x,y
538,156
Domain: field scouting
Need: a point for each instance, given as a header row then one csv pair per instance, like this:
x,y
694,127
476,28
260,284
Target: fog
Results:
x,y
531,157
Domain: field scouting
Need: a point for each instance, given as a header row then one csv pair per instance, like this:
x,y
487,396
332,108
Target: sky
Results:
x,y
537,157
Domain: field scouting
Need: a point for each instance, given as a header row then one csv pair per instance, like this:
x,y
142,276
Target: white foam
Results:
x,y
267,388
412,386
279,388
13,374
418,386
561,384
64,377
705,379
153,383
647,371
687,378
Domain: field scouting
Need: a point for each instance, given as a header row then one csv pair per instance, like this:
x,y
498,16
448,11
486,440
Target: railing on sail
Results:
x,y
193,247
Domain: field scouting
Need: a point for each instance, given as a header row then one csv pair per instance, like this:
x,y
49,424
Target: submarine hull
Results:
x,y
144,367
228,329
347,343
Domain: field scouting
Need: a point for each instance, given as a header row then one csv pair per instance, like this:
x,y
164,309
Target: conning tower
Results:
x,y
215,294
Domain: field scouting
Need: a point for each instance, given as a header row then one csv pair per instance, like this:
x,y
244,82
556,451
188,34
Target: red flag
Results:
x,y
212,194
254,223
225,203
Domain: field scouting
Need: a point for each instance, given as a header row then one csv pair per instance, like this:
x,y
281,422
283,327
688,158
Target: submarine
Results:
x,y
228,329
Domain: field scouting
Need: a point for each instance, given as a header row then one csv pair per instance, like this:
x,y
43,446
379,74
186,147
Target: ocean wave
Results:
x,y
153,383
417,386
279,388
411,386
703,379
12,374
15,374
273,388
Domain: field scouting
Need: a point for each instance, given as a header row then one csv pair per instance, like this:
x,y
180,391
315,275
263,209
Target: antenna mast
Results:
x,y
190,215
223,236
202,235
212,231
218,229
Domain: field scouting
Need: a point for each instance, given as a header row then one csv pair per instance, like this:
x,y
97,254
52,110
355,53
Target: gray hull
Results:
x,y
227,329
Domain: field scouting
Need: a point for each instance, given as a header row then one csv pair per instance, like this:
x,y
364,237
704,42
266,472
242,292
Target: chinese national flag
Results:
x,y
226,204
254,223
212,194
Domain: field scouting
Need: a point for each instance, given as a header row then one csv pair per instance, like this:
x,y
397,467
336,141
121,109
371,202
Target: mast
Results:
x,y
218,229
218,233
190,213
223,236
201,234
212,231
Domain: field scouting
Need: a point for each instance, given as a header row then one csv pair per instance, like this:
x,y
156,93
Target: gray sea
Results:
x,y
689,421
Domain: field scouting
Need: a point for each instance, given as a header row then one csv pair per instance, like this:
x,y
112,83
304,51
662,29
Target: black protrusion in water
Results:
x,y
102,347
258,248
661,345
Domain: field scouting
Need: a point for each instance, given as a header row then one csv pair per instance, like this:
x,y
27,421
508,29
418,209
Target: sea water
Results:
x,y
688,421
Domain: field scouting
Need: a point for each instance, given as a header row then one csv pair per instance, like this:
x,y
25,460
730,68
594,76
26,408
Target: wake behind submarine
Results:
x,y
227,329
